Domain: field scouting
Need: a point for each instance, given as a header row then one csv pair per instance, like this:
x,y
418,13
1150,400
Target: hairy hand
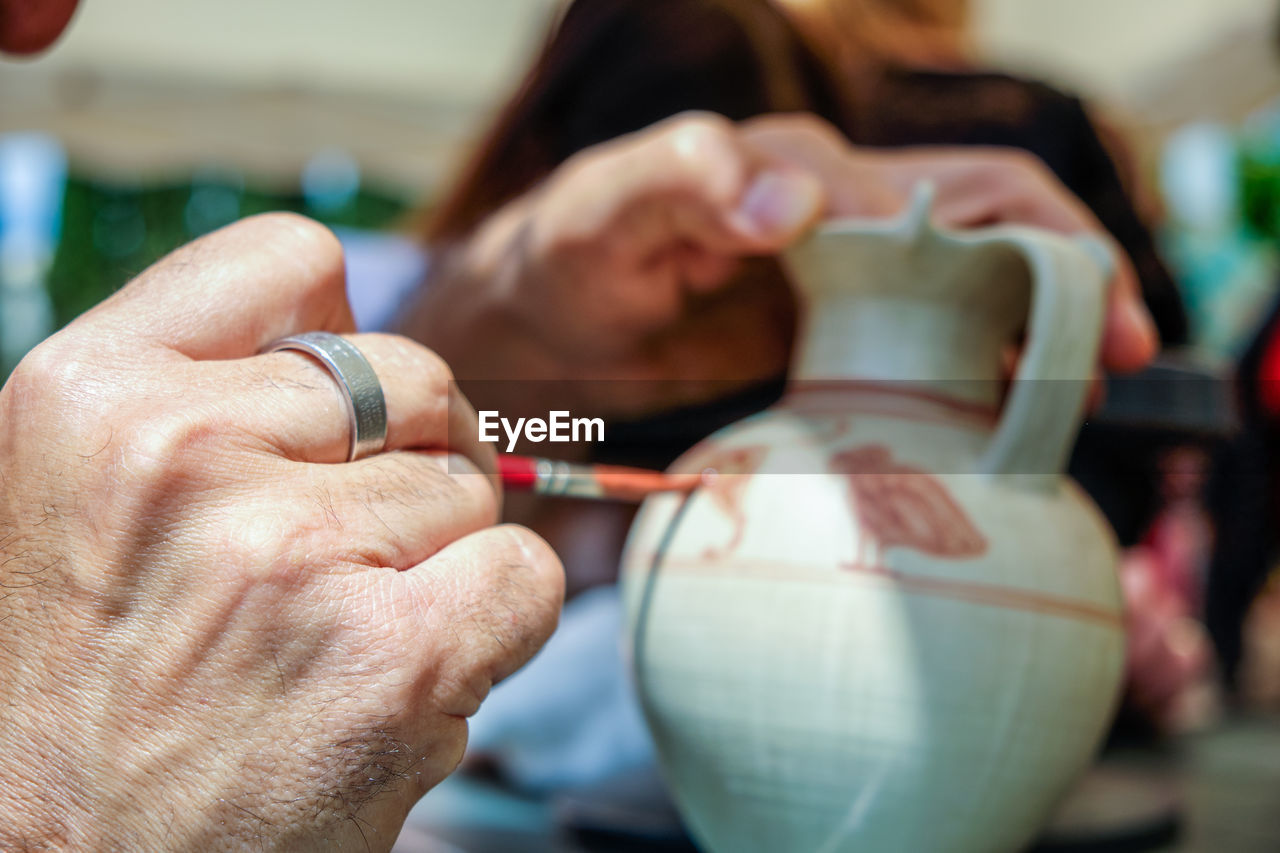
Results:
x,y
211,635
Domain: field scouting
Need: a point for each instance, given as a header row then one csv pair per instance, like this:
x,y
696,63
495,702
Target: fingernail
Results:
x,y
781,202
1140,329
1140,319
454,463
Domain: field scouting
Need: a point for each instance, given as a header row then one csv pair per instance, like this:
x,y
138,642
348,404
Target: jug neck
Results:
x,y
941,348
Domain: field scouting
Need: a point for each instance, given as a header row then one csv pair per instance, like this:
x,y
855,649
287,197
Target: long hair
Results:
x,y
520,147
858,37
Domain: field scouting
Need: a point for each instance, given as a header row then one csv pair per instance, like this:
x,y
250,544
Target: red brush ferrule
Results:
x,y
518,472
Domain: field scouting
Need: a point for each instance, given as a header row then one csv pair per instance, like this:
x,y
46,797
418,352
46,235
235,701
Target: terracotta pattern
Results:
x,y
901,506
735,467
908,635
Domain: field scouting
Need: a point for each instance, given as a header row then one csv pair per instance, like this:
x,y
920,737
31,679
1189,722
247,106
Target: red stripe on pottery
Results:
x,y
990,595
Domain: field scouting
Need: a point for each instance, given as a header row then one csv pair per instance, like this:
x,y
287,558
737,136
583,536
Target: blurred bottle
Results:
x,y
33,174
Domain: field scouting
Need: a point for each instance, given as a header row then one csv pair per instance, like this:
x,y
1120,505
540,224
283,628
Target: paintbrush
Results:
x,y
592,482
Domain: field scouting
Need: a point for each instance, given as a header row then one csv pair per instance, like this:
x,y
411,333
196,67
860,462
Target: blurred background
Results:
x,y
153,122
162,121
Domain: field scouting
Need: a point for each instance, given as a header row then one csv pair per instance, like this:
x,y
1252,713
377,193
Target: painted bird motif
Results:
x,y
903,507
734,468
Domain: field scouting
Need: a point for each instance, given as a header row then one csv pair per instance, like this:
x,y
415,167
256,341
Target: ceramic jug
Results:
x,y
889,622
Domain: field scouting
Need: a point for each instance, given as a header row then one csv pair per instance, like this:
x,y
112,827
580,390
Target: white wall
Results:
x,y
437,48
141,86
471,49
1116,49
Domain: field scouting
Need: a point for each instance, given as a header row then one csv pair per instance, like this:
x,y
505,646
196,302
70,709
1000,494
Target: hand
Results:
x,y
621,239
974,187
637,260
212,636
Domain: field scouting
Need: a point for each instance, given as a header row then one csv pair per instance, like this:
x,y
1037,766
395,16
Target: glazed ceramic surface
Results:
x,y
889,623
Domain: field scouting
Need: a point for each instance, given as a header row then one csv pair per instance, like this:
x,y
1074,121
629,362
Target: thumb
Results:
x,y
494,597
778,205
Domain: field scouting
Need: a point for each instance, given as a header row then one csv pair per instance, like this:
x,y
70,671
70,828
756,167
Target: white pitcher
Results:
x,y
890,623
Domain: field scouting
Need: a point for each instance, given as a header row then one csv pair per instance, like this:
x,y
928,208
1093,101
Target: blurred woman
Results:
x,y
886,73
609,81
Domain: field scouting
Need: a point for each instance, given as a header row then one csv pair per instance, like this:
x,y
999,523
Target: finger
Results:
x,y
394,510
688,179
1129,337
496,595
1096,396
852,181
693,156
231,292
772,210
295,407
989,189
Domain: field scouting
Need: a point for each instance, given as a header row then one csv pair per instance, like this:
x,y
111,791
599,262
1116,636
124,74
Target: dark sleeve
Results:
x,y
641,61
1091,174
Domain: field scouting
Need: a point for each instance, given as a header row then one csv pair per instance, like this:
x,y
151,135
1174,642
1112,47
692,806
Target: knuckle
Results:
x,y
267,543
294,228
699,121
462,687
410,355
167,446
705,153
43,369
504,610
54,379
513,594
808,124
693,138
302,240
1019,166
469,490
430,401
803,126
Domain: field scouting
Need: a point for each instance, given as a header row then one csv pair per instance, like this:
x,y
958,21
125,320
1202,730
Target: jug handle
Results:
x,y
1042,411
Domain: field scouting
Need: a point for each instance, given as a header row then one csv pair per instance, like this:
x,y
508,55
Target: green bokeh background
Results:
x,y
111,232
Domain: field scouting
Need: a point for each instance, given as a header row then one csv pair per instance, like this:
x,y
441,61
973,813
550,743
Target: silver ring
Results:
x,y
366,406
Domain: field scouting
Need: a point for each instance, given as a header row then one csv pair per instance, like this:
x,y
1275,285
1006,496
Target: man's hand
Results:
x,y
212,636
622,236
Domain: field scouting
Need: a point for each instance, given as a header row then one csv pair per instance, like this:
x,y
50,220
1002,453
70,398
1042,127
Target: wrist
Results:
x,y
516,280
39,814
63,790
